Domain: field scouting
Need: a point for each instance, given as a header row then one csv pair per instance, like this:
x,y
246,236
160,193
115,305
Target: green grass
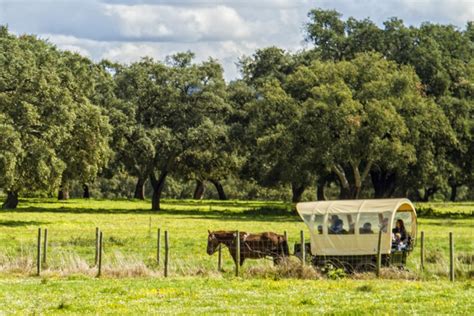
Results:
x,y
233,295
195,285
446,209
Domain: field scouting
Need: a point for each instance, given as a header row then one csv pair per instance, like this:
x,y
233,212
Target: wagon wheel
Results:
x,y
348,267
336,263
341,264
365,267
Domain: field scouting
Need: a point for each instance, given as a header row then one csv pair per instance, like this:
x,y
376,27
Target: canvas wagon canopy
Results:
x,y
351,227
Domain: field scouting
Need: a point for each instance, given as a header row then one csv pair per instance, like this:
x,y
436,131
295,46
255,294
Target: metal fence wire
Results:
x,y
160,253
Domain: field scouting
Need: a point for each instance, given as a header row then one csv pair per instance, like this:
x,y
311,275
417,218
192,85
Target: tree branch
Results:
x,y
341,175
356,172
366,170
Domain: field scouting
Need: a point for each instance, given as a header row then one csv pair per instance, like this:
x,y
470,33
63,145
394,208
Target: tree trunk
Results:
x,y
345,193
349,193
355,192
320,192
86,194
140,189
12,200
297,191
454,192
63,193
220,190
414,195
351,190
383,182
199,190
429,192
157,185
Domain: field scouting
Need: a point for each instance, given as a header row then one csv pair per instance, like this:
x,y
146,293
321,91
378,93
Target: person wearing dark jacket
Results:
x,y
400,238
400,229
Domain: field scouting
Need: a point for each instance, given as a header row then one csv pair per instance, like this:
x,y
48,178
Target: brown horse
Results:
x,y
252,246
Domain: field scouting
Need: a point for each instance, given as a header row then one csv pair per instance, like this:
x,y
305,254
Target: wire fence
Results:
x,y
162,254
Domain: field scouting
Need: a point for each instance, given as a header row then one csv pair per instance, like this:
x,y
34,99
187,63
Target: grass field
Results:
x,y
133,282
231,295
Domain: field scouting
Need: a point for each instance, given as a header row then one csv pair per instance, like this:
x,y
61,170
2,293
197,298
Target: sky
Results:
x,y
126,30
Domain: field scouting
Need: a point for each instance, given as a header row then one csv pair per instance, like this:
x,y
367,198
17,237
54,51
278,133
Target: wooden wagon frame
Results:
x,y
345,232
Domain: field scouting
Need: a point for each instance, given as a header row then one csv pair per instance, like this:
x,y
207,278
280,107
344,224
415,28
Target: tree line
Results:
x,y
388,108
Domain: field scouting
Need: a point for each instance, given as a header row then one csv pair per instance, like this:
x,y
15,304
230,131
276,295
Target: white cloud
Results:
x,y
173,23
226,52
413,12
456,12
125,30
129,52
276,4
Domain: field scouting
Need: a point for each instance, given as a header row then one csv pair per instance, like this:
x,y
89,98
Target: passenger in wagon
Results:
x,y
400,237
366,229
400,229
333,227
337,226
320,229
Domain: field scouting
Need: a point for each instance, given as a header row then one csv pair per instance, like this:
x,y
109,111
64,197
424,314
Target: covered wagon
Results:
x,y
345,233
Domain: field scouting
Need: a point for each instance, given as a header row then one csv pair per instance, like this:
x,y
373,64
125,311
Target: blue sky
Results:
x,y
125,30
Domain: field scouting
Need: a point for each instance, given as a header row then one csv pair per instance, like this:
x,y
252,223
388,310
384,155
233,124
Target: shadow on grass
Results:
x,y
264,214
186,202
20,223
449,223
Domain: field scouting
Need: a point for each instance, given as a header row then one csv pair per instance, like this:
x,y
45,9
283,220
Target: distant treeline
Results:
x,y
366,111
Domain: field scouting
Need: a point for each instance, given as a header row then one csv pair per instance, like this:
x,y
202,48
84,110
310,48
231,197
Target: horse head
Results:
x,y
212,243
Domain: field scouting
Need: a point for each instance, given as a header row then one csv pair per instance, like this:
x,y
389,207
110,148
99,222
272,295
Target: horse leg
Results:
x,y
242,259
277,259
233,254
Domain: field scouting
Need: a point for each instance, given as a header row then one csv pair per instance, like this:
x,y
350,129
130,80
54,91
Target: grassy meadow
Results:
x,y
133,283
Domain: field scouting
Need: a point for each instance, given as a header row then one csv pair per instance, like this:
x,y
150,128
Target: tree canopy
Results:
x,y
368,110
51,128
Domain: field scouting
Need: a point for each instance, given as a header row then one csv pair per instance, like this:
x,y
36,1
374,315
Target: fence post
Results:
x,y
237,256
422,251
45,245
282,246
96,260
167,249
451,257
158,246
379,256
303,248
38,254
99,271
219,258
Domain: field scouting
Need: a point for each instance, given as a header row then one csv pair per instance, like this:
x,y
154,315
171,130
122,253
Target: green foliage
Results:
x,y
86,150
177,121
10,149
268,63
335,274
44,109
37,110
389,105
355,116
273,156
442,57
